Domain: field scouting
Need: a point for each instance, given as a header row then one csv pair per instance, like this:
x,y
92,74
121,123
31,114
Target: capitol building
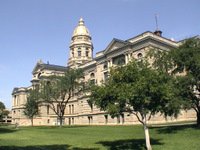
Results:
x,y
96,70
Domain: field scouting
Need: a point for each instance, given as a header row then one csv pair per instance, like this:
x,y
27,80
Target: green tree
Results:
x,y
186,59
3,112
58,90
31,106
138,89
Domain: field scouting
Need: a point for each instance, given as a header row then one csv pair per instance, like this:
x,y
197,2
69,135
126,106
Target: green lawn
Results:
x,y
184,137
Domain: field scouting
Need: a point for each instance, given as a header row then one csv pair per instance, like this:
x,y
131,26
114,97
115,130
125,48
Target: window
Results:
x,y
92,75
72,109
47,109
139,55
79,53
48,121
105,74
69,109
92,78
87,53
72,53
105,66
39,74
119,60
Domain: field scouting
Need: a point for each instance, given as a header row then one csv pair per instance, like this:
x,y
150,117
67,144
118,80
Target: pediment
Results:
x,y
114,44
37,67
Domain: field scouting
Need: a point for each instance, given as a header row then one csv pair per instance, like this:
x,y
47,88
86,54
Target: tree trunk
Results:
x,y
146,132
61,122
31,121
198,119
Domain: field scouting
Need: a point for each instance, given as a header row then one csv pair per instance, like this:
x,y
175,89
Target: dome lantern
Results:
x,y
81,29
81,47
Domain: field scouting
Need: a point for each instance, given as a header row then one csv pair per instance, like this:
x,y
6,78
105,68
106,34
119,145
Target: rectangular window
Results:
x,y
119,60
72,109
79,53
87,53
69,109
47,109
105,76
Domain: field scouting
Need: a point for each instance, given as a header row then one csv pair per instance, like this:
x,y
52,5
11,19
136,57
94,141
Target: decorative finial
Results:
x,y
81,21
40,61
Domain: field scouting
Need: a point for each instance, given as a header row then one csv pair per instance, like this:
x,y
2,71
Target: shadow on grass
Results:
x,y
55,127
77,148
6,130
173,129
132,144
44,147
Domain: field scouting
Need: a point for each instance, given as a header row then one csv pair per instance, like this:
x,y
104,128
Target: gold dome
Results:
x,y
81,29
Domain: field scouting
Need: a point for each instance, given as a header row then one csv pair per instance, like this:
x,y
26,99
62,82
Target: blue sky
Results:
x,y
41,29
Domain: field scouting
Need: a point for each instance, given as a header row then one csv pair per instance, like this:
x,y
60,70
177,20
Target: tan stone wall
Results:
x,y
77,110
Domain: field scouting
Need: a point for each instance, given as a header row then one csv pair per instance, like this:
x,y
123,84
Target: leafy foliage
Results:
x,y
31,106
3,112
139,89
57,90
187,61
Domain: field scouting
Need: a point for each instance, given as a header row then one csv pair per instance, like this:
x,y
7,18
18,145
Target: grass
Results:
x,y
181,137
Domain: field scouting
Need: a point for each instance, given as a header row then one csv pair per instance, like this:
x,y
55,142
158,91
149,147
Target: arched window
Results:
x,y
92,75
92,78
139,55
105,66
39,74
79,53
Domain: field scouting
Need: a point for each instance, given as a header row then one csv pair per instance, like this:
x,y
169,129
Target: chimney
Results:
x,y
158,33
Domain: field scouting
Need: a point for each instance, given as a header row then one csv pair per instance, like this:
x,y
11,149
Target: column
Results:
x,y
126,58
111,62
129,56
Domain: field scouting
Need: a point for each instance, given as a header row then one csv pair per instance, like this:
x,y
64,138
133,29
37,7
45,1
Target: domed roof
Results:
x,y
81,29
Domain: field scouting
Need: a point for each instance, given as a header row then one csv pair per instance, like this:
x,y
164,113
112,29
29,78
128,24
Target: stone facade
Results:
x,y
78,111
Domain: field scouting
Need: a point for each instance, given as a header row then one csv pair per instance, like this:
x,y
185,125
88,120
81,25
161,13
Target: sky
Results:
x,y
31,30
